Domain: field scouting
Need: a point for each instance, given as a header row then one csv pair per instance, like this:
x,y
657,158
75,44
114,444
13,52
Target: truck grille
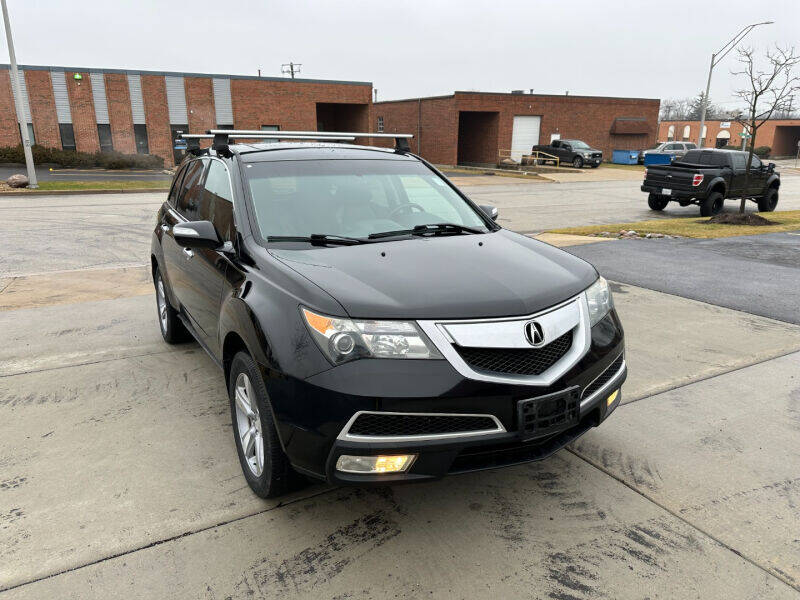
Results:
x,y
396,425
513,361
597,155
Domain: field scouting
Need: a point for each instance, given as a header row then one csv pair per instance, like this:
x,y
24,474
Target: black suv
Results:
x,y
372,323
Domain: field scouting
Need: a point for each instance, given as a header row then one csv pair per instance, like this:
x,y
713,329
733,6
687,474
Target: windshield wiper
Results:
x,y
319,238
432,228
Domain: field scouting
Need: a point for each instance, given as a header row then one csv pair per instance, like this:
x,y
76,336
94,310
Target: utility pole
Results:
x,y
715,58
23,125
290,68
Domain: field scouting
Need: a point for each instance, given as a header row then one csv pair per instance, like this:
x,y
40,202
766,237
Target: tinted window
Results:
x,y
351,197
140,133
690,146
191,191
176,186
739,160
104,134
756,164
67,136
217,199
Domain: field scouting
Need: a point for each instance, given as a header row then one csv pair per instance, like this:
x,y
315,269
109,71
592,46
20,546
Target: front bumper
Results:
x,y
439,457
312,414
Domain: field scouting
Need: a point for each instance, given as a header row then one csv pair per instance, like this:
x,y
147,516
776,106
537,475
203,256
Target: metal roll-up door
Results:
x,y
137,102
63,111
222,100
176,100
99,97
524,135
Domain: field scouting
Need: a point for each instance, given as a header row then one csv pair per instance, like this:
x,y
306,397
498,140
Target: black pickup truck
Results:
x,y
576,152
707,177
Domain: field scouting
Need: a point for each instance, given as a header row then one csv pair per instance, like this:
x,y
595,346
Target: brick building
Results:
x,y
139,111
781,135
480,127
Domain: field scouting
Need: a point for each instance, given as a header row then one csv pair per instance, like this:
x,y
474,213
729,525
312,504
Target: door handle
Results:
x,y
188,253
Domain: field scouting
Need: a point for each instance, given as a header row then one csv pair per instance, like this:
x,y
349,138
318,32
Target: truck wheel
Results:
x,y
769,201
657,202
577,162
264,464
712,205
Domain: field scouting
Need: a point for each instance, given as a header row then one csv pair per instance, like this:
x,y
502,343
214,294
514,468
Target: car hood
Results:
x,y
443,277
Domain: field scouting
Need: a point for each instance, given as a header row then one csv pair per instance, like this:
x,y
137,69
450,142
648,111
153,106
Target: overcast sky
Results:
x,y
410,48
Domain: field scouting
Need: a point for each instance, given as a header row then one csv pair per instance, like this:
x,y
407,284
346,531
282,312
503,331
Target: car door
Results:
x,y
738,160
758,177
565,152
205,269
176,257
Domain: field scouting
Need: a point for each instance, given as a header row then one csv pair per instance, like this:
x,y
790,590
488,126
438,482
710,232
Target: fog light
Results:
x,y
611,398
374,464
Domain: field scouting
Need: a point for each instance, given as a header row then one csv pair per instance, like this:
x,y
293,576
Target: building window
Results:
x,y
686,133
104,135
671,133
67,136
380,124
174,131
140,132
224,126
270,128
30,133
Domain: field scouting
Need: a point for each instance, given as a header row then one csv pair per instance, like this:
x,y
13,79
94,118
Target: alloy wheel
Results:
x,y
248,424
161,299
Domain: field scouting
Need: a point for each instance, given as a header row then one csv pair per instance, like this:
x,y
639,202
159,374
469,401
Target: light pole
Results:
x,y
715,58
23,125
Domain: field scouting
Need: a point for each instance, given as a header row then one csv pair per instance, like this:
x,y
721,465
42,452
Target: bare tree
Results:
x,y
768,92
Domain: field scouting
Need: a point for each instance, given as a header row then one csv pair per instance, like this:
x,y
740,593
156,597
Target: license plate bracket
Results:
x,y
545,415
666,191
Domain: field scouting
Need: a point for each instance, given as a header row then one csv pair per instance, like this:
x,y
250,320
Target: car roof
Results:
x,y
267,152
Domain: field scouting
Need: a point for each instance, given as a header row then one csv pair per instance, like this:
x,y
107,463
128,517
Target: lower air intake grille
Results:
x,y
604,377
515,361
376,424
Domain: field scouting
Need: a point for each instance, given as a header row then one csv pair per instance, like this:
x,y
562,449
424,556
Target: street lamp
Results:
x,y
23,125
715,58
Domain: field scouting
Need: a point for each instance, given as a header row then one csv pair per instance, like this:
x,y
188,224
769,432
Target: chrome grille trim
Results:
x,y
346,436
572,314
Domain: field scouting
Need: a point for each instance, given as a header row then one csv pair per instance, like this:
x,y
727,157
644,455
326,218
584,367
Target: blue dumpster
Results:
x,y
625,157
652,158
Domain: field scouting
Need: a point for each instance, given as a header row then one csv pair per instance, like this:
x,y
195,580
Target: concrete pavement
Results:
x,y
119,477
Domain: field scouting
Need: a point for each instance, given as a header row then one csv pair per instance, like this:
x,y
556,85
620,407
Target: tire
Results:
x,y
172,330
712,205
264,463
657,202
577,162
769,201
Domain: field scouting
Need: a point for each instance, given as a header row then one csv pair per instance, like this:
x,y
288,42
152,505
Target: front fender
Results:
x,y
774,180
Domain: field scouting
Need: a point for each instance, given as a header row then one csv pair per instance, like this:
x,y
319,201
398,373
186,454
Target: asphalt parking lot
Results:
x,y
119,477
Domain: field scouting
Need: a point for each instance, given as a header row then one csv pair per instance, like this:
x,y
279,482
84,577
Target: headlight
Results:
x,y
342,340
587,154
598,297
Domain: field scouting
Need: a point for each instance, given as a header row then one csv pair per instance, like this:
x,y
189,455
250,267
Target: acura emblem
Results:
x,y
534,334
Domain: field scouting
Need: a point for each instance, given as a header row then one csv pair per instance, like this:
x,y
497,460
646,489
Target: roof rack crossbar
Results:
x,y
400,139
262,135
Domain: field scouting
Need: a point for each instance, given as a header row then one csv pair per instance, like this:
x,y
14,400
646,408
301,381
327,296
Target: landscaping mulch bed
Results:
x,y
740,219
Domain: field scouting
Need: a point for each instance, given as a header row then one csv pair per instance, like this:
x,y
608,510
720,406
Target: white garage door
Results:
x,y
524,135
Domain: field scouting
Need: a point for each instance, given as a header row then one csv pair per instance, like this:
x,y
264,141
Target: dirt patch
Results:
x,y
740,219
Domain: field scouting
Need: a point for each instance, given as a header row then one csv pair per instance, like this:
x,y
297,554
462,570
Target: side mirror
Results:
x,y
196,234
771,167
491,211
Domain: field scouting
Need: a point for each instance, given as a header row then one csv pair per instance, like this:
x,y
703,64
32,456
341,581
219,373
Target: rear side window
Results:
x,y
217,200
191,191
176,187
690,146
739,160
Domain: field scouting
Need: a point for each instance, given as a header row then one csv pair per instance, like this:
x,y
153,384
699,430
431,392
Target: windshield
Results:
x,y
353,198
577,144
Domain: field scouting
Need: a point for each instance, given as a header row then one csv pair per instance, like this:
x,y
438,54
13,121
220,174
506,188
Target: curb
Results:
x,y
80,192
